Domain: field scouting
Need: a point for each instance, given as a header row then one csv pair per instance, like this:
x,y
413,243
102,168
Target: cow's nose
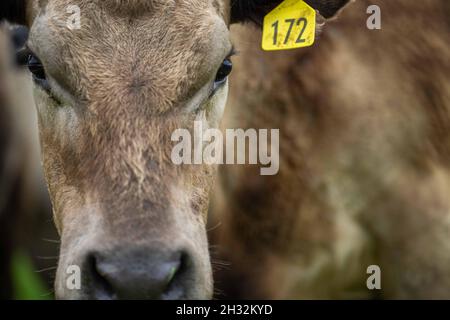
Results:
x,y
137,274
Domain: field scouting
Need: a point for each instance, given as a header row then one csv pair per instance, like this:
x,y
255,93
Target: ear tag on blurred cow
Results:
x,y
290,25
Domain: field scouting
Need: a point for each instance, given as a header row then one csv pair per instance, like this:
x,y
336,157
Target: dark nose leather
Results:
x,y
138,273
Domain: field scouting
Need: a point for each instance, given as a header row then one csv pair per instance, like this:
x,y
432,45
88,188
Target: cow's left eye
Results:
x,y
37,70
223,72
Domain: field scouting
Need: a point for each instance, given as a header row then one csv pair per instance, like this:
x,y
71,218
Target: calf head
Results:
x,y
109,95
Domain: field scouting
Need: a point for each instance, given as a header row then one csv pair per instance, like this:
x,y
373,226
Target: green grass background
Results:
x,y
27,284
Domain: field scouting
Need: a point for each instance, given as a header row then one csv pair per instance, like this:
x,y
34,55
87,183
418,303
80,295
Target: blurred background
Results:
x,y
28,240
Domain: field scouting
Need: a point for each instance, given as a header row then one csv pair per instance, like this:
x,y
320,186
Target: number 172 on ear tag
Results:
x,y
290,25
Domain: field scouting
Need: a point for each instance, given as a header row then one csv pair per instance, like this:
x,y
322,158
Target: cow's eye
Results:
x,y
37,70
224,71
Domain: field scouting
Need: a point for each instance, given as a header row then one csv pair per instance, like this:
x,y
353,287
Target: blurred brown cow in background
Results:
x,y
364,119
24,206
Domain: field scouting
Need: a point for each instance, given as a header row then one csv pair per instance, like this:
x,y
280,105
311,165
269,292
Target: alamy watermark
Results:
x,y
241,147
374,280
374,20
73,280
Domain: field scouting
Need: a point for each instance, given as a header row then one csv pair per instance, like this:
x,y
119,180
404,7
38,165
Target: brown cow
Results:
x,y
109,95
364,119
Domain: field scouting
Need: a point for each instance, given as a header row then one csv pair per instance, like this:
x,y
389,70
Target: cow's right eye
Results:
x,y
37,70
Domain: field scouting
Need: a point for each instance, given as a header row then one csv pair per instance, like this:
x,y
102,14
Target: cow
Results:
x,y
364,181
109,94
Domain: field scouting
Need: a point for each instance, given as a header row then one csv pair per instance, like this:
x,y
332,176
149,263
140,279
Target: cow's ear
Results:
x,y
13,10
327,8
255,10
251,10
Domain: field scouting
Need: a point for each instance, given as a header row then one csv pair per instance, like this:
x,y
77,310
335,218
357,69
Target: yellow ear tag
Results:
x,y
290,25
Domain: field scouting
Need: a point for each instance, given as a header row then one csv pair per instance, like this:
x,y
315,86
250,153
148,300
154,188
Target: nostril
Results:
x,y
101,287
172,273
175,279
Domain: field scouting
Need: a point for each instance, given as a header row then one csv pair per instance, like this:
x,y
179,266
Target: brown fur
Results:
x,y
364,160
134,67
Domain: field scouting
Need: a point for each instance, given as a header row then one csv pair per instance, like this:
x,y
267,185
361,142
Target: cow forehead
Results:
x,y
168,47
135,6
